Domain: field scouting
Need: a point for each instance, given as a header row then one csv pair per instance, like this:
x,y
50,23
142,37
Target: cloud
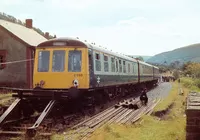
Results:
x,y
141,36
128,26
74,4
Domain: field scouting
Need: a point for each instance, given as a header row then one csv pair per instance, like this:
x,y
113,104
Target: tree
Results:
x,y
192,69
172,65
185,65
176,74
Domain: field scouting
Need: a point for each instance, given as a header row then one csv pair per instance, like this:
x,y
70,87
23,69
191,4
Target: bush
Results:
x,y
197,83
187,82
176,74
192,84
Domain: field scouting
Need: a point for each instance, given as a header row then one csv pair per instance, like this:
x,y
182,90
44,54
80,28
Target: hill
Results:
x,y
145,58
178,56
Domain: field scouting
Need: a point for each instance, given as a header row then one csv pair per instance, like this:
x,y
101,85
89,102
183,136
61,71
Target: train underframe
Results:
x,y
29,102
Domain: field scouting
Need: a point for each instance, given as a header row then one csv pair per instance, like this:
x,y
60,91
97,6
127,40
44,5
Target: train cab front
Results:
x,y
61,65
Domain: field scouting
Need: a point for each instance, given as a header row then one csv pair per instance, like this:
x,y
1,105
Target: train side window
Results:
x,y
112,64
43,61
124,66
133,68
144,70
58,61
106,65
97,56
74,61
120,66
147,69
97,62
116,65
129,68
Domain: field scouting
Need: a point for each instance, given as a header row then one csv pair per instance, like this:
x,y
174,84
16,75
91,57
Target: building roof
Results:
x,y
27,35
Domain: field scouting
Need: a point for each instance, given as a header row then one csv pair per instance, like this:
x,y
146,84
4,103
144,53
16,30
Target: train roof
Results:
x,y
144,63
101,49
68,41
156,67
62,41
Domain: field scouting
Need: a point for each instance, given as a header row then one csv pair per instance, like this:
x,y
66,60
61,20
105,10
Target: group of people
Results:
x,y
168,78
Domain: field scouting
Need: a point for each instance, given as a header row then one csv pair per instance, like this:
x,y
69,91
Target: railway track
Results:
x,y
126,112
121,113
50,125
18,128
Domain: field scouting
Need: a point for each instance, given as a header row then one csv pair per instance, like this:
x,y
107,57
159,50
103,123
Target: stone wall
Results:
x,y
13,75
193,116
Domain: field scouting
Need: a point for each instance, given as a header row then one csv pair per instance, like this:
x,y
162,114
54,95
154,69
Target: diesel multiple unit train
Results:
x,y
68,68
66,63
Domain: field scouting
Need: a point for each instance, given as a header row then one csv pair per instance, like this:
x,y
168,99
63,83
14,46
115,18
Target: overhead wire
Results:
x,y
19,61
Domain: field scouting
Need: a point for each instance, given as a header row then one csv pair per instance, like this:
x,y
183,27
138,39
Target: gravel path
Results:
x,y
161,91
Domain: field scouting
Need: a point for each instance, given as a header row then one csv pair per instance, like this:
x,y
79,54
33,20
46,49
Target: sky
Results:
x,y
132,27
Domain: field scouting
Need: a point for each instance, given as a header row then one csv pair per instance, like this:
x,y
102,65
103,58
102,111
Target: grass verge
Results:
x,y
6,99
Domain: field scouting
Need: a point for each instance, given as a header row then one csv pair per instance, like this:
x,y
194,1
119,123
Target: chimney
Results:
x,y
29,23
46,35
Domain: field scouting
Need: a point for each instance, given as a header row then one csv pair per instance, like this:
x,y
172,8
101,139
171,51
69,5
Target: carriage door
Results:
x,y
91,68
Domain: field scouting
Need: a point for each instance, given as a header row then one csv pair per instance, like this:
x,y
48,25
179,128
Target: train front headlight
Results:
x,y
75,83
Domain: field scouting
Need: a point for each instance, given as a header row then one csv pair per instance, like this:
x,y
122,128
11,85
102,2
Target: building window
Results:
x,y
2,59
97,62
106,65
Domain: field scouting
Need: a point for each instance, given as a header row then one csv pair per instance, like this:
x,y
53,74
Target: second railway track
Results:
x,y
123,114
119,115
